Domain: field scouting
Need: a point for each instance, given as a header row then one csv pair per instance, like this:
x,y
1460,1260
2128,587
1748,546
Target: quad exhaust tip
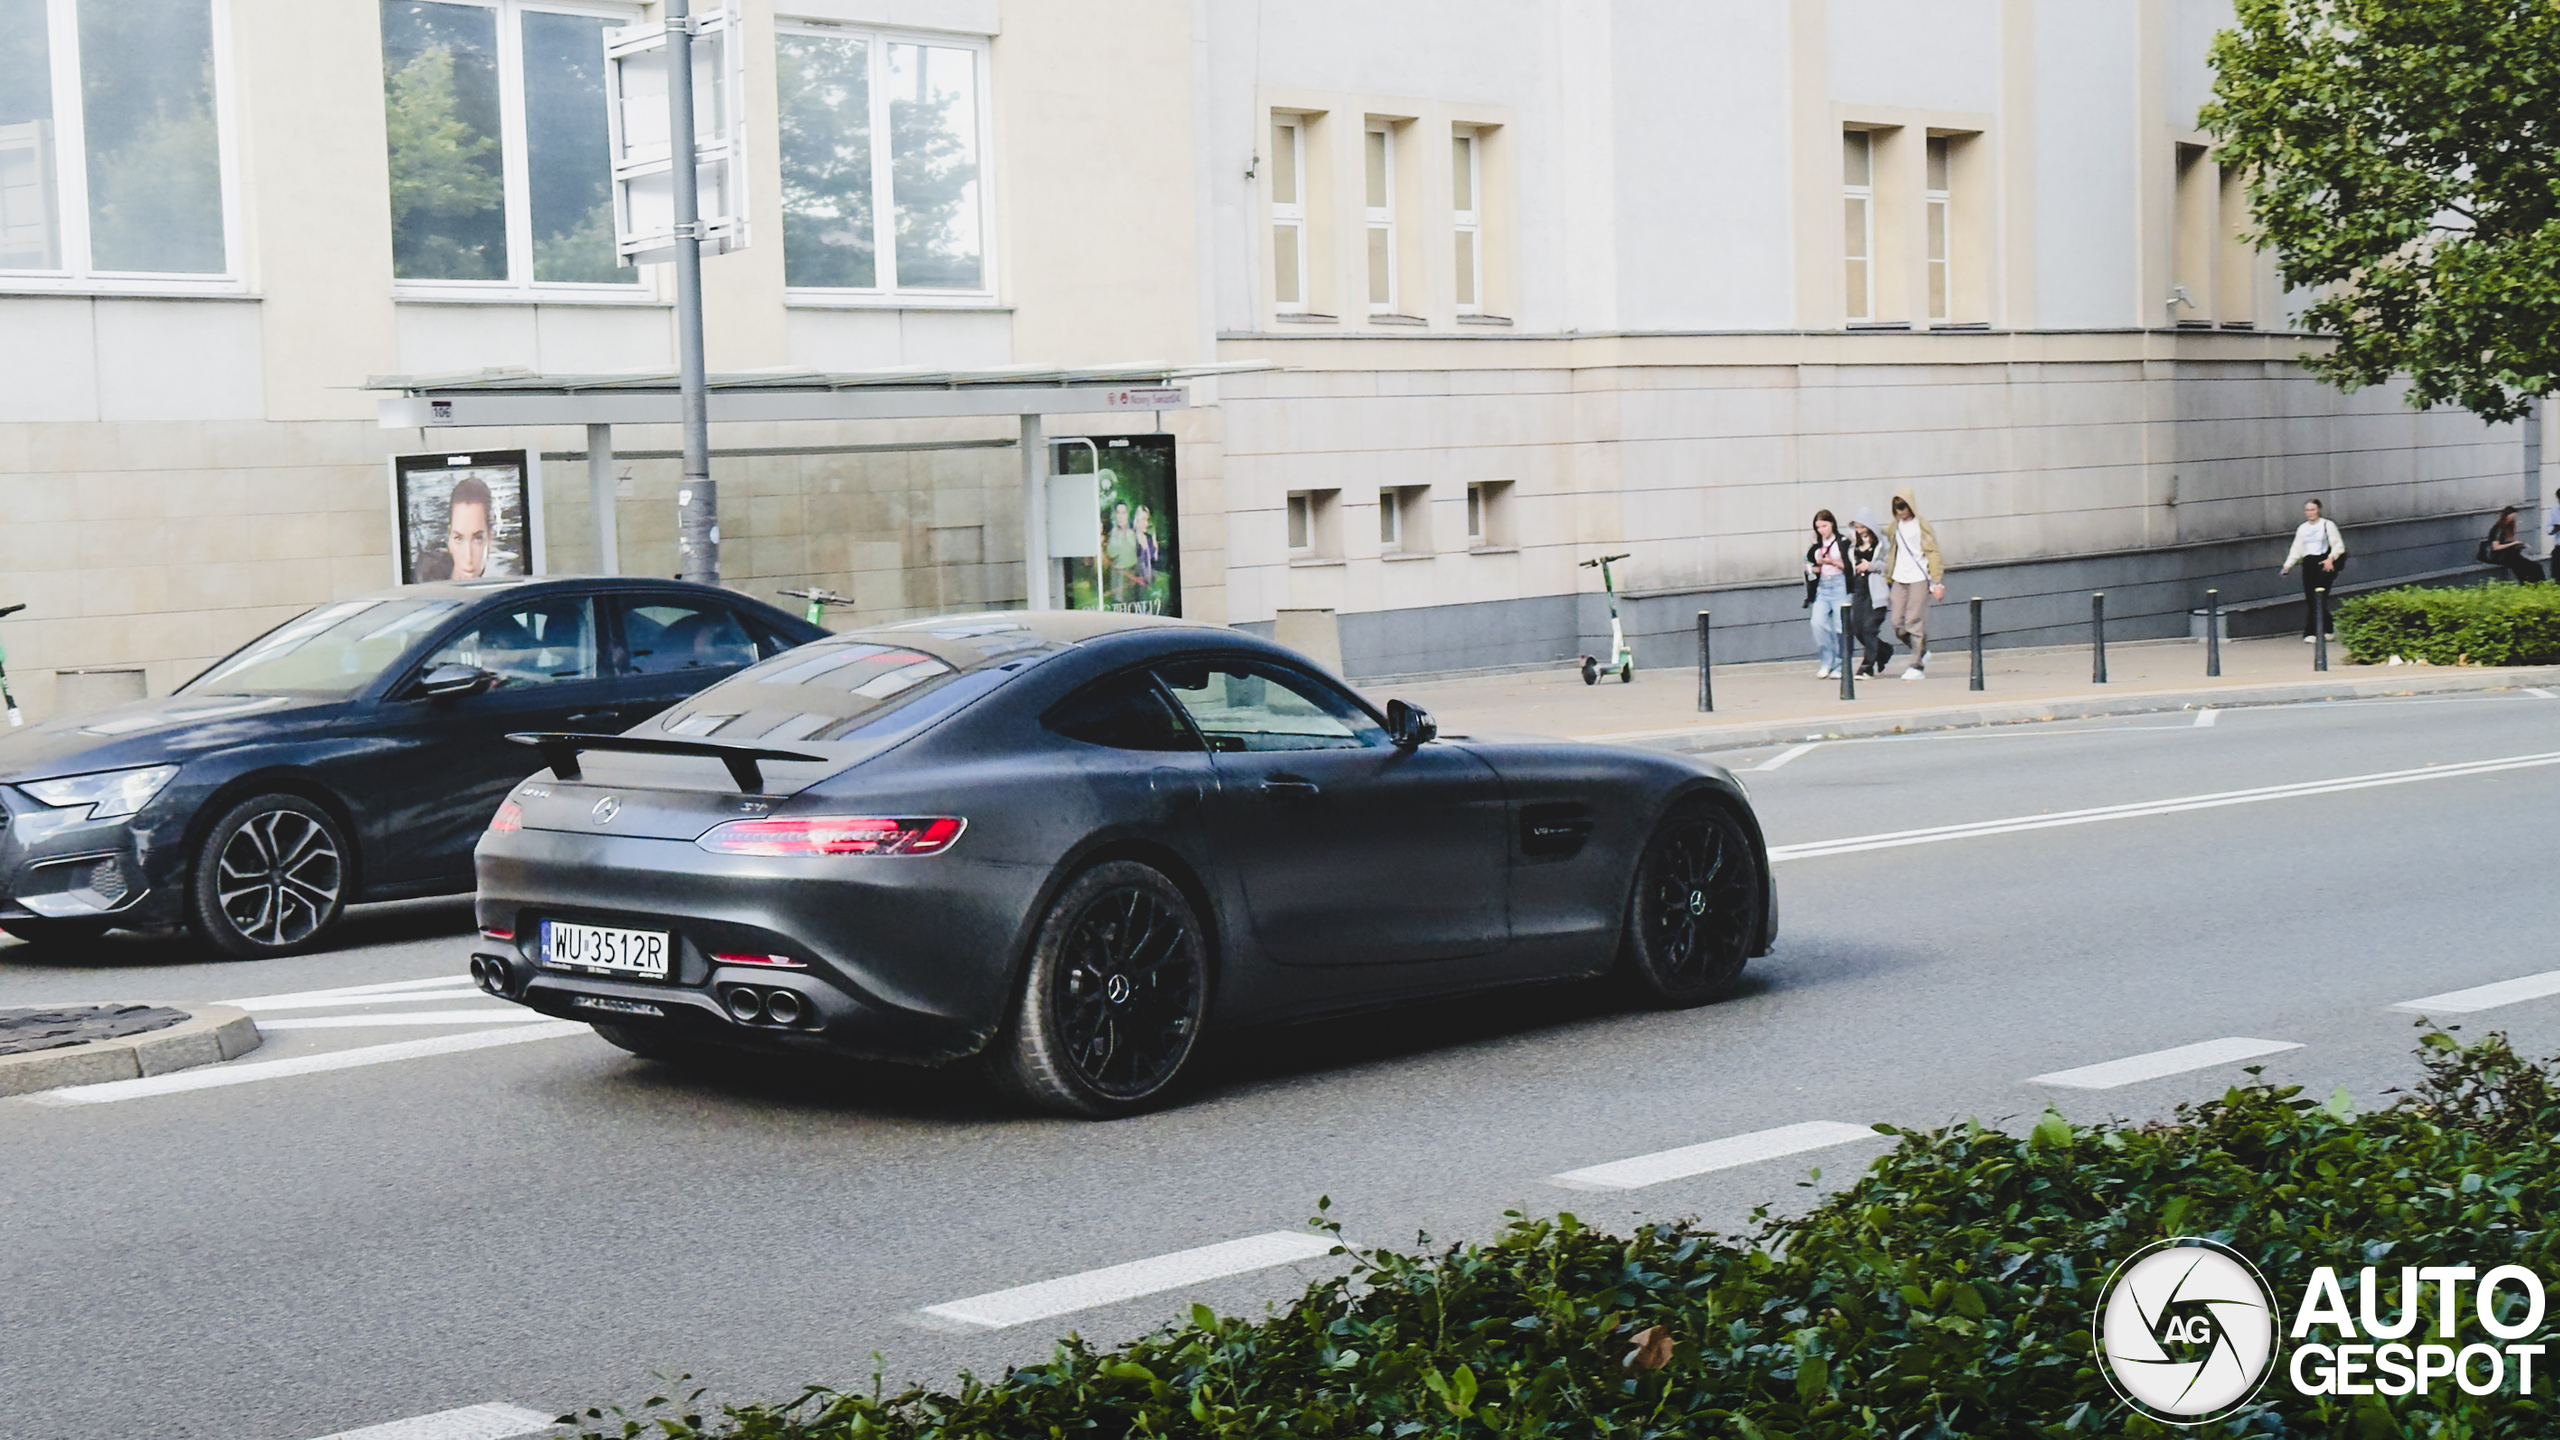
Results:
x,y
782,1007
490,974
750,1006
746,1005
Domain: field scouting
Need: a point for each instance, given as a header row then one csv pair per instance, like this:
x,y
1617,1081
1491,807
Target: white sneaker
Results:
x,y
1827,672
1915,673
2310,639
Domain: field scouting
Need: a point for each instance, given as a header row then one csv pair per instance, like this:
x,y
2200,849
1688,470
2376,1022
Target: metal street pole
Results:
x,y
697,498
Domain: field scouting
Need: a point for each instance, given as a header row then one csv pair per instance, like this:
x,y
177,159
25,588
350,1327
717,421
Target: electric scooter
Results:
x,y
15,716
819,599
1622,656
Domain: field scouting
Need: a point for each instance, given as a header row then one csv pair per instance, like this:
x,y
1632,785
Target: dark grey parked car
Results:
x,y
1070,843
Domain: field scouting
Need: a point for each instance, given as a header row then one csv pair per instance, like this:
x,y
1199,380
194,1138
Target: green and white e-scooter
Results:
x,y
819,600
1622,657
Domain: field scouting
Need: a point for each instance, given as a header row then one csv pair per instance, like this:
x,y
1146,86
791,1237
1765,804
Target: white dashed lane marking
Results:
x,y
1723,1154
1781,759
493,1421
1067,1294
2206,717
440,987
246,1072
511,1015
2485,997
2134,1069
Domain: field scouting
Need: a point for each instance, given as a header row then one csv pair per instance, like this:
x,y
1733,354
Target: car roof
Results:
x,y
471,592
1060,627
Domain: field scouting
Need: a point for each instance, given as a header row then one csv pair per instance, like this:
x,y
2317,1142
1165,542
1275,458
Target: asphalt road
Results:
x,y
551,1223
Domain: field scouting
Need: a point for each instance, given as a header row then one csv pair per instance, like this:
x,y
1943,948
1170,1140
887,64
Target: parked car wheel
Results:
x,y
271,878
1112,1003
54,934
1696,906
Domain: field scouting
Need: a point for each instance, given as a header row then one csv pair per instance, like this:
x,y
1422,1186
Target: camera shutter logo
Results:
x,y
2186,1330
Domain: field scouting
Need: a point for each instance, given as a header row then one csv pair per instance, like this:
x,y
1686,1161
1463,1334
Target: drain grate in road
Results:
x,y
23,1032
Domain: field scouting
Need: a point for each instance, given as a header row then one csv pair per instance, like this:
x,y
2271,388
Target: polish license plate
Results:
x,y
572,946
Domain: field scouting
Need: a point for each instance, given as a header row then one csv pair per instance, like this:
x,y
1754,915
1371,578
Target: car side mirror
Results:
x,y
445,682
1410,725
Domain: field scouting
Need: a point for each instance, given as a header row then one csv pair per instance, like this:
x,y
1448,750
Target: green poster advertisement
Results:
x,y
1140,572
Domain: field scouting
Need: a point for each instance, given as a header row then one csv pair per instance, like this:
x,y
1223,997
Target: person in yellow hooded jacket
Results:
x,y
1918,573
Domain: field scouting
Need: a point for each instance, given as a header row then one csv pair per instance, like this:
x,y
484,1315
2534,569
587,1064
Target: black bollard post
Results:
x,y
2098,638
2320,618
1976,608
1706,667
1848,670
2213,632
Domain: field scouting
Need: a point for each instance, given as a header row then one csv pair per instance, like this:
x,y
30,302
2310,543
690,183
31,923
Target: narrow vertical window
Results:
x,y
440,109
569,151
828,237
1390,519
1378,174
1939,278
933,160
1464,200
1857,181
1301,523
1288,217
2191,299
1475,514
30,214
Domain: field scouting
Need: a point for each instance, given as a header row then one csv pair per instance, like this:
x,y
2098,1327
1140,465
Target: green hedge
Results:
x,y
2499,624
1947,1293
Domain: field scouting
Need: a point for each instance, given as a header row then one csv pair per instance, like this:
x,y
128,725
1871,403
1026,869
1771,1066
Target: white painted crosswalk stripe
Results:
x,y
2485,997
244,1072
1725,1154
1783,757
2133,1069
493,1421
492,1015
353,994
1067,1294
405,997
2206,717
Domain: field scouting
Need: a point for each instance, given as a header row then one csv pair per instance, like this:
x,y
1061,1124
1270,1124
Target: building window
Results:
x,y
1289,215
2190,300
1941,280
875,126
1489,515
1379,177
1466,199
1858,239
1315,529
1302,523
2235,275
1403,520
112,142
501,156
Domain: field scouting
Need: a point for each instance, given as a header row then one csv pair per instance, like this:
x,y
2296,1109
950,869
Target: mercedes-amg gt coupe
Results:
x,y
1069,845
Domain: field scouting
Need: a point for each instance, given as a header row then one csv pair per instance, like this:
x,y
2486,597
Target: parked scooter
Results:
x,y
819,599
1622,656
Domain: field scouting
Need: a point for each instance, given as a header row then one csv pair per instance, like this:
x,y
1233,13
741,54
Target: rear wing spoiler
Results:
x,y
560,752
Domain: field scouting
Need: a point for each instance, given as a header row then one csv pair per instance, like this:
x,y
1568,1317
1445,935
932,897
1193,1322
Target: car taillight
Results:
x,y
783,960
488,934
834,835
508,820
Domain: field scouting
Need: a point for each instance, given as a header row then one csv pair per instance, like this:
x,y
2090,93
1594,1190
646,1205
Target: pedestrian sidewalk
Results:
x,y
1766,703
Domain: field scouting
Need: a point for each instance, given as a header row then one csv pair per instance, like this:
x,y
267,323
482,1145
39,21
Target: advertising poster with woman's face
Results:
x,y
462,517
1140,572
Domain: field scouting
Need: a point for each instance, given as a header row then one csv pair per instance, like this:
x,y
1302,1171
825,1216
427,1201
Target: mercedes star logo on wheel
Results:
x,y
2187,1331
606,809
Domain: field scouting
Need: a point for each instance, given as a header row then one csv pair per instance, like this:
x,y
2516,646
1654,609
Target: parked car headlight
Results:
x,y
110,794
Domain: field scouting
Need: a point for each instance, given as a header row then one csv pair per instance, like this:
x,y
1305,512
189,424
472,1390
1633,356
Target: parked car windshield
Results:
x,y
334,650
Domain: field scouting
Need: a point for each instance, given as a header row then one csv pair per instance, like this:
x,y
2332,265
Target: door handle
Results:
x,y
1289,787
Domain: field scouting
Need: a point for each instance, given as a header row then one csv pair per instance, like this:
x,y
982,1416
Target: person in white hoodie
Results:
x,y
2321,551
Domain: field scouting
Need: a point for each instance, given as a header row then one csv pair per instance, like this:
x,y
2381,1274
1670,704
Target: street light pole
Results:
x,y
697,498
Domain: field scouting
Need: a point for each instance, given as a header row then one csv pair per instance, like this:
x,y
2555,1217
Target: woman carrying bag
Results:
x,y
2505,551
2321,551
1826,589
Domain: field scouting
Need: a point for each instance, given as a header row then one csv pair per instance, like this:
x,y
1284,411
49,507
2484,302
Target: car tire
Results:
x,y
1695,911
271,878
54,934
1112,1003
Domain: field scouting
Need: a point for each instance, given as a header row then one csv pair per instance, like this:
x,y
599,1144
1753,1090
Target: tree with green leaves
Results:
x,y
2404,162
447,212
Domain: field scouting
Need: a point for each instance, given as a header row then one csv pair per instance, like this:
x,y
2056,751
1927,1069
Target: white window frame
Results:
x,y
515,170
1477,501
1301,523
1391,520
71,175
884,213
1859,307
1379,217
1469,221
1292,213
1940,234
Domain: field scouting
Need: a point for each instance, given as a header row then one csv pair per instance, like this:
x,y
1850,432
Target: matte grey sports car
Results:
x,y
1069,844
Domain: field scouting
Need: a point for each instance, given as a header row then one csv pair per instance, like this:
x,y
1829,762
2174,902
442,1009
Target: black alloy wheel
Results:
x,y
1696,908
54,934
1113,1000
271,878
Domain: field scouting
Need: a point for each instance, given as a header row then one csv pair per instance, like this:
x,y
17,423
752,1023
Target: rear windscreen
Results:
x,y
835,689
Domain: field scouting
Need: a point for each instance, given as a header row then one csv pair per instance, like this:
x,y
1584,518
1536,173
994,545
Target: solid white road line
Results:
x,y
2206,716
1817,848
2136,1068
492,1016
1026,1303
1723,1154
1779,760
406,997
2538,693
2485,997
492,1421
243,1072
347,994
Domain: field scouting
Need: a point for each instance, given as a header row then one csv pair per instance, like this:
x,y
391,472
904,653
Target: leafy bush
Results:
x,y
1948,1293
2474,625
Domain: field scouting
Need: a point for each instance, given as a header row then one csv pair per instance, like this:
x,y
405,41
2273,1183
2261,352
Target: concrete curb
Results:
x,y
2425,681
209,1034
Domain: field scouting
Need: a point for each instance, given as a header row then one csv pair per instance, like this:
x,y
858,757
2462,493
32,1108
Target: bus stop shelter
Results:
x,y
523,399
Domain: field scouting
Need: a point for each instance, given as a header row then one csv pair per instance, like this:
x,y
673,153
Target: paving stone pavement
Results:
x,y
23,1032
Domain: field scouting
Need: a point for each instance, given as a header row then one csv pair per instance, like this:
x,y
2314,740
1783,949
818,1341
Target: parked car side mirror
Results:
x,y
1410,725
448,681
